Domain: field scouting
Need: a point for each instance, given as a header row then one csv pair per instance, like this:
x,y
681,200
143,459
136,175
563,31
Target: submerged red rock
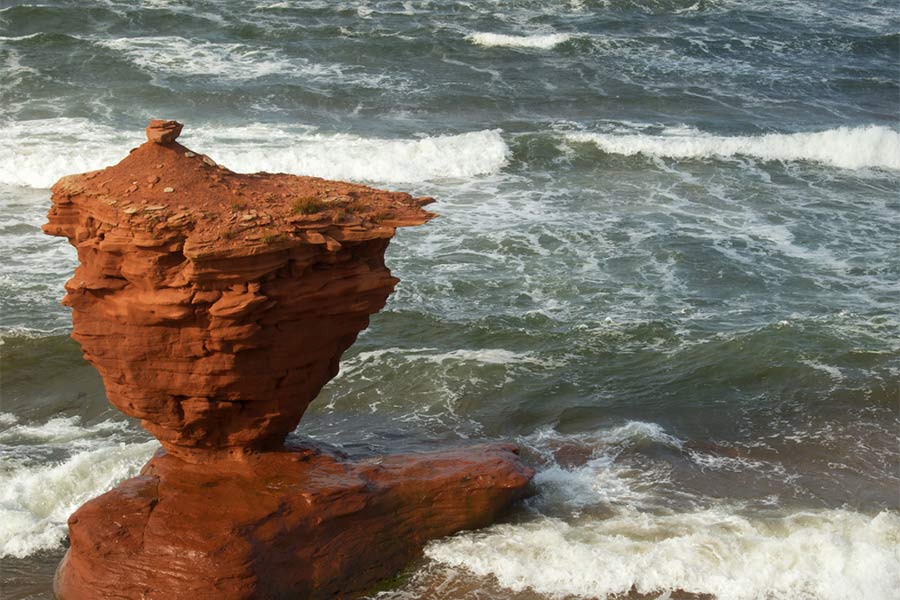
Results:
x,y
215,306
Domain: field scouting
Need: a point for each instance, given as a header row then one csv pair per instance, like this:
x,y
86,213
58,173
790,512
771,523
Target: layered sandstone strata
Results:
x,y
215,306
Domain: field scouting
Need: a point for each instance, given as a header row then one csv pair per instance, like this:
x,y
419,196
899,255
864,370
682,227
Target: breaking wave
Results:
x,y
598,529
37,153
821,555
542,41
36,498
844,147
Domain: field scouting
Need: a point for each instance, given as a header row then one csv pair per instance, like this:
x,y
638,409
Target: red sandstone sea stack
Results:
x,y
215,306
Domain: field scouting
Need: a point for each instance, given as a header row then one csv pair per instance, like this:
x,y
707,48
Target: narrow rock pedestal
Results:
x,y
215,306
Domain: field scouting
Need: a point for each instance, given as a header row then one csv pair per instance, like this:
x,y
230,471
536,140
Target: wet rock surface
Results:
x,y
296,523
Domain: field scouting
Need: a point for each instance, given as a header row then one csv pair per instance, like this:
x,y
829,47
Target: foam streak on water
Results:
x,y
174,55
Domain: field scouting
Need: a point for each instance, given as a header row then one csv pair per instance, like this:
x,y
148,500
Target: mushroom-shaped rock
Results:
x,y
215,306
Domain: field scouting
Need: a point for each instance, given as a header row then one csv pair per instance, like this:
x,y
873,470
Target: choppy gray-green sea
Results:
x,y
666,264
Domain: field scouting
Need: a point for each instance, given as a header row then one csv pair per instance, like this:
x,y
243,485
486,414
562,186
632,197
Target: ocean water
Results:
x,y
667,264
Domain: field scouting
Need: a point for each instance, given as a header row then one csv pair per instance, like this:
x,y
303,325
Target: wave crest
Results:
x,y
49,469
844,147
37,153
541,41
826,554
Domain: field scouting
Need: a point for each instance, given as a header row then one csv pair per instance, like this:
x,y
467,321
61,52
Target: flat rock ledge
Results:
x,y
298,523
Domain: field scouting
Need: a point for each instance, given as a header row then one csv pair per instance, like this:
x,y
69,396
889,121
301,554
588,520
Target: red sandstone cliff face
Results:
x,y
216,306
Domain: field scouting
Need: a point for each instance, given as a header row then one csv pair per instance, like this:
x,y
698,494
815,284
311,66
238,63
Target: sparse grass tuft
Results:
x,y
382,215
355,206
307,206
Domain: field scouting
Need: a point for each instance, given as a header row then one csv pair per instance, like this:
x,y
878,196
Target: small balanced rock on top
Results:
x,y
163,132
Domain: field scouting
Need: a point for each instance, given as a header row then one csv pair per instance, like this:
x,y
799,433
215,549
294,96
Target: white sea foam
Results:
x,y
833,371
37,153
173,55
636,432
19,38
814,555
602,479
356,158
36,498
36,501
488,356
542,41
57,430
29,332
713,462
844,147
198,59
717,548
485,356
627,434
599,479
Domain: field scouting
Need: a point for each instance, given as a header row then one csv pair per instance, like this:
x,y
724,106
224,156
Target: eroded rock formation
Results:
x,y
215,306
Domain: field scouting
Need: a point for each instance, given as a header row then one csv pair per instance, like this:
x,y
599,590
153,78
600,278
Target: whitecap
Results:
x,y
821,555
484,356
638,431
36,501
355,158
541,41
833,371
488,356
597,478
845,147
37,153
58,430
